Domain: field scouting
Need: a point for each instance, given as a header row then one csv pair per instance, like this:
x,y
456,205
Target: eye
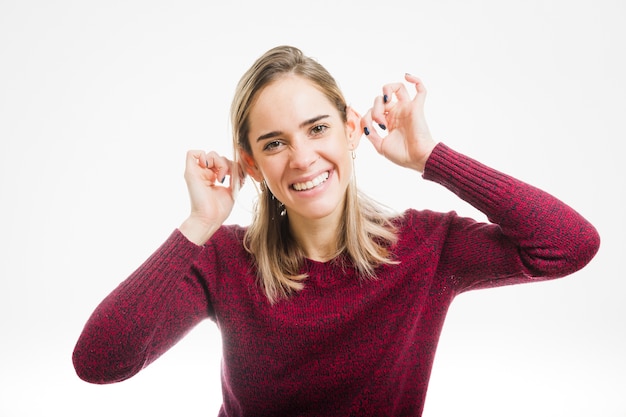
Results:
x,y
272,145
318,130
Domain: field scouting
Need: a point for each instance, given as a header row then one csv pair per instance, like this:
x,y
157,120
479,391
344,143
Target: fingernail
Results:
x,y
383,127
385,98
366,131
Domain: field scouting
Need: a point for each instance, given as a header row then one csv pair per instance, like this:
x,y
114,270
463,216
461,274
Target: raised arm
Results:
x,y
164,298
144,316
532,234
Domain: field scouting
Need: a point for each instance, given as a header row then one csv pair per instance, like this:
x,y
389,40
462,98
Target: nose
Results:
x,y
302,156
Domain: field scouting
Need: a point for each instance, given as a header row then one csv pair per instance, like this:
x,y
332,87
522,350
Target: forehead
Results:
x,y
289,100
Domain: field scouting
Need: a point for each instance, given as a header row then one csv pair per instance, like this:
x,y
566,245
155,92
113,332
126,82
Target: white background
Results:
x,y
100,100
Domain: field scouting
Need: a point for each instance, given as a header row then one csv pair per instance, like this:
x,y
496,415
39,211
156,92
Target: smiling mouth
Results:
x,y
303,186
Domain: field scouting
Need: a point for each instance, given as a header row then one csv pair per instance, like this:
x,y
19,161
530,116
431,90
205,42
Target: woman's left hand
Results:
x,y
408,142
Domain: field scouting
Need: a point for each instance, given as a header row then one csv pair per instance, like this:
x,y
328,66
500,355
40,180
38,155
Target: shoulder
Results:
x,y
230,234
422,222
422,232
224,260
226,245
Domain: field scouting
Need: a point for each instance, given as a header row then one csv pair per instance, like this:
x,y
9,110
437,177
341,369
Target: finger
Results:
x,y
395,89
196,158
228,171
371,133
378,112
366,122
209,164
419,86
220,165
195,164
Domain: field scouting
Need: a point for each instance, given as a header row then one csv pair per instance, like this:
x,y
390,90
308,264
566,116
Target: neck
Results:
x,y
318,238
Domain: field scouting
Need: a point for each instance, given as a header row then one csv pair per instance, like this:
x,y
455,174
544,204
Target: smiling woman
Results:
x,y
327,304
301,154
305,135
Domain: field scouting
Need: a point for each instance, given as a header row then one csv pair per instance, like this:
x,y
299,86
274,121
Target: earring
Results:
x,y
353,155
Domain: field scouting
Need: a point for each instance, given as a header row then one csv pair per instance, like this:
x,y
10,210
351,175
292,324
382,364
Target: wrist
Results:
x,y
197,230
420,165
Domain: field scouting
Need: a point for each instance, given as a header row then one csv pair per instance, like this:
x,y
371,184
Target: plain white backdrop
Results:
x,y
100,100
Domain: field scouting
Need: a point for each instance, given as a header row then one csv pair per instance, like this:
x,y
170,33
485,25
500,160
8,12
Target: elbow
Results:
x,y
89,373
586,248
581,250
569,256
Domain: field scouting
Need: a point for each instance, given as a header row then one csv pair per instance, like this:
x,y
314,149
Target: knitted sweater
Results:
x,y
342,346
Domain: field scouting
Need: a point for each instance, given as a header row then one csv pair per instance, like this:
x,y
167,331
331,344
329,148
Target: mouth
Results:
x,y
315,182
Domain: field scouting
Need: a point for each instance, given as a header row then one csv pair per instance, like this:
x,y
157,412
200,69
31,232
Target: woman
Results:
x,y
327,304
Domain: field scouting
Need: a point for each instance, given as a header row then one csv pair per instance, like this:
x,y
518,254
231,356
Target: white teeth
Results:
x,y
302,186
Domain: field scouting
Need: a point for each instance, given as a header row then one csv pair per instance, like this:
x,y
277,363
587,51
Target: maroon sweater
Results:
x,y
341,346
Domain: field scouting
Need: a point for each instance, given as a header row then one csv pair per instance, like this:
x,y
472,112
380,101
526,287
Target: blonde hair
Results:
x,y
367,230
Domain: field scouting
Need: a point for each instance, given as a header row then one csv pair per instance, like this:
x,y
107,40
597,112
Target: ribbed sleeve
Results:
x,y
553,240
144,316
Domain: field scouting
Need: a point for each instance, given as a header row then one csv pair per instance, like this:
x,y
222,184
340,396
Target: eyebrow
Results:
x,y
302,125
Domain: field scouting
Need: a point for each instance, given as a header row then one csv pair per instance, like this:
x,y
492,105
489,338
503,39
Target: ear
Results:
x,y
353,128
250,166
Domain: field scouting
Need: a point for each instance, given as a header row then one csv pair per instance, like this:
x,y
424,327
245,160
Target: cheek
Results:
x,y
272,170
348,167
346,158
344,171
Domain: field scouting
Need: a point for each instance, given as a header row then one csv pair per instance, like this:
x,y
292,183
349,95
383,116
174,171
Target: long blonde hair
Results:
x,y
367,230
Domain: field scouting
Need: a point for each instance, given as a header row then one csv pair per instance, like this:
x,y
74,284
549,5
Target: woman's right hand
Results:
x,y
211,202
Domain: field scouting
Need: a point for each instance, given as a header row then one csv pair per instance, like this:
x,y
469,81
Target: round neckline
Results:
x,y
330,272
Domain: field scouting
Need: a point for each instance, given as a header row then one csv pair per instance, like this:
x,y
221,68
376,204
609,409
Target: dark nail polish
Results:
x,y
366,131
223,179
383,127
385,98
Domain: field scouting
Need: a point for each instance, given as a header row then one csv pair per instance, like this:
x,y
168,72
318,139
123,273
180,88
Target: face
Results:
x,y
301,148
